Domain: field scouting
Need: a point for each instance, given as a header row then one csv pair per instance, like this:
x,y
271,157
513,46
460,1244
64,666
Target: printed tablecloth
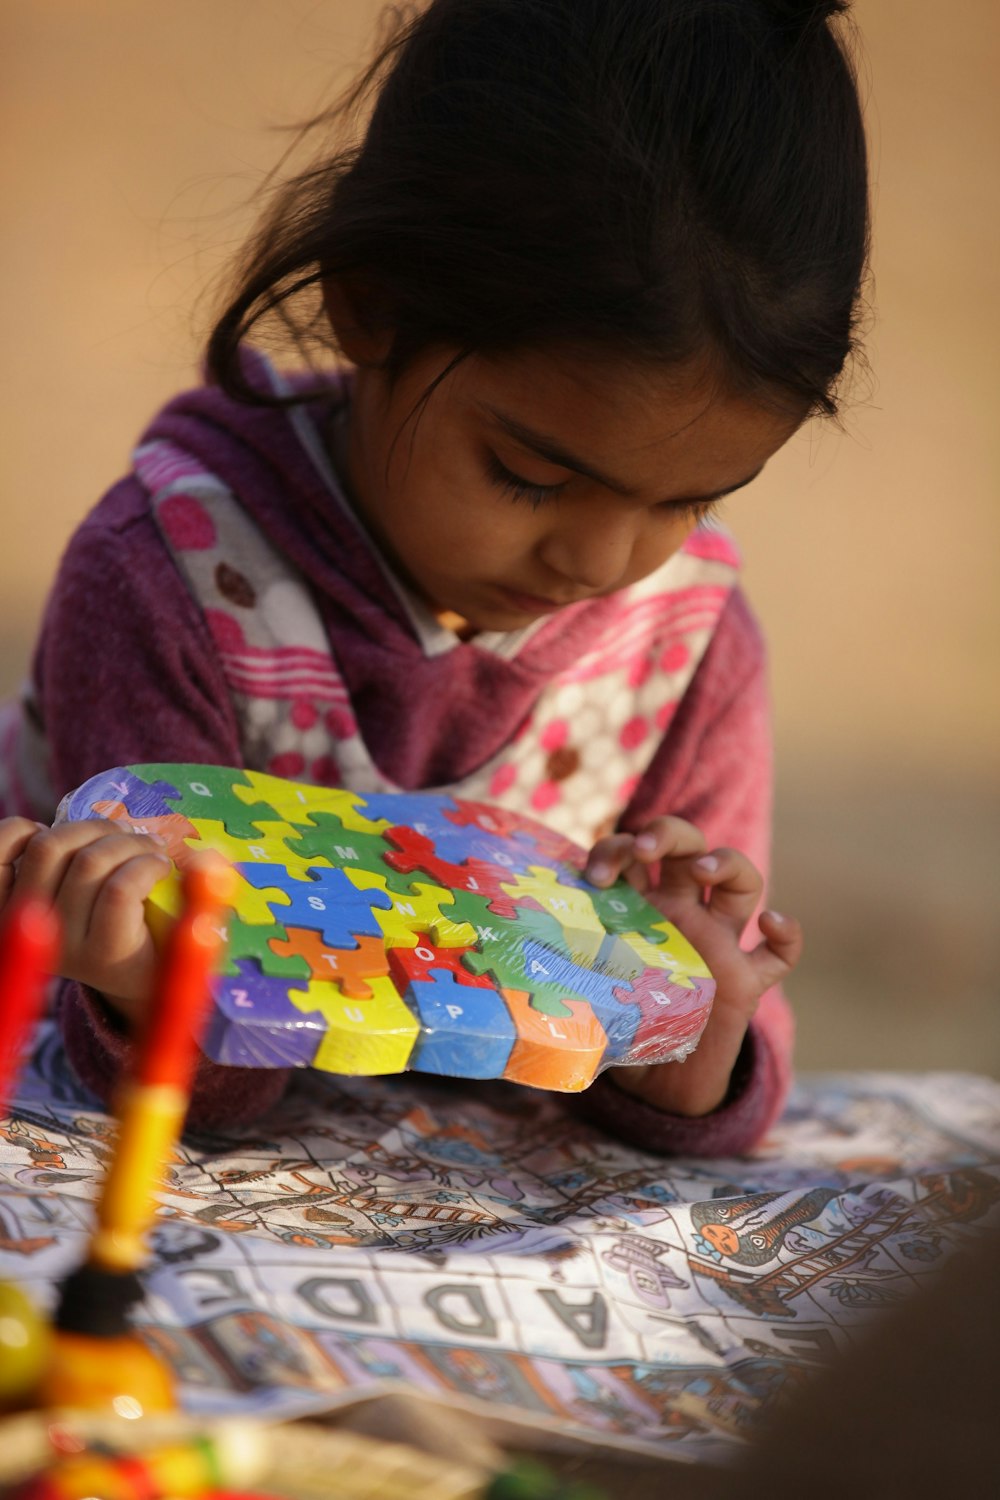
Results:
x,y
478,1240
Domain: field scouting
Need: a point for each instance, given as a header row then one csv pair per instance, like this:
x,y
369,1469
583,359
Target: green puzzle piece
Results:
x,y
622,909
500,943
350,849
218,801
504,962
468,907
249,941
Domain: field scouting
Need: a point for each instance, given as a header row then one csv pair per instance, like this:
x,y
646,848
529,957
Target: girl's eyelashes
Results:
x,y
520,489
524,490
694,510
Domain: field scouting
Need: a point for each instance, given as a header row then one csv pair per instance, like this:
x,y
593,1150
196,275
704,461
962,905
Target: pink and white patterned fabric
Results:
x,y
574,762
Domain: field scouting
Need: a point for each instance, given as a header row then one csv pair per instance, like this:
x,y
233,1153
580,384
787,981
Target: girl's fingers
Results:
x,y
87,848
609,857
668,838
775,958
97,874
118,907
68,865
733,885
117,929
46,858
90,868
15,836
662,838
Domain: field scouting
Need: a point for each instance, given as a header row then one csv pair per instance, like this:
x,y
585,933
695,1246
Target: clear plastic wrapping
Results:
x,y
377,933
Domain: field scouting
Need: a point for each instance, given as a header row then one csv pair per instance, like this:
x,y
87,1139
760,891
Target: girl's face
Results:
x,y
533,480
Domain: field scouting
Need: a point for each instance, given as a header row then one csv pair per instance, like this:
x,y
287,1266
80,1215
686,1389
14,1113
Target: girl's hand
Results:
x,y
97,877
710,897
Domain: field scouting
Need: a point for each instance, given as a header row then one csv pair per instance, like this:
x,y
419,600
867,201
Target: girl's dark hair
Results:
x,y
661,178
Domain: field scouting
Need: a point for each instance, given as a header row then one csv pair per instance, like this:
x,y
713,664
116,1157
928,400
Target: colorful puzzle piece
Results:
x,y
255,941
663,1009
214,793
571,905
350,968
466,1031
554,1052
330,839
419,910
255,1025
326,900
414,851
172,827
362,1036
369,934
408,965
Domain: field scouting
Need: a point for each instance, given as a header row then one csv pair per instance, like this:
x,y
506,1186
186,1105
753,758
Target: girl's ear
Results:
x,y
358,314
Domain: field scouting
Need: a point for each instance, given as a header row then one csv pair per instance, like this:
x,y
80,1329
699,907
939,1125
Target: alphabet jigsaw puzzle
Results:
x,y
371,934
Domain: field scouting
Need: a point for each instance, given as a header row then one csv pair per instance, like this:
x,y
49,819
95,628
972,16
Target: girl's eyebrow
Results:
x,y
553,451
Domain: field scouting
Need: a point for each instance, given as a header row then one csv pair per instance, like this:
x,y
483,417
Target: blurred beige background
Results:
x,y
132,135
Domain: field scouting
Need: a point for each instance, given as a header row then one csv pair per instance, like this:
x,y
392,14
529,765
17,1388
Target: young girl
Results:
x,y
592,264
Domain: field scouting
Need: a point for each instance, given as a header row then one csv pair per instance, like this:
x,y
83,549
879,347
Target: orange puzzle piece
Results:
x,y
350,968
554,1052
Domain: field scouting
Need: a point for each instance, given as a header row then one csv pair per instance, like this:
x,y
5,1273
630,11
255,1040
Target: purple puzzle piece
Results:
x,y
141,799
255,1025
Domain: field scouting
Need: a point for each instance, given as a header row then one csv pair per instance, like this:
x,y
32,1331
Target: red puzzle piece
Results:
x,y
670,1014
418,853
407,965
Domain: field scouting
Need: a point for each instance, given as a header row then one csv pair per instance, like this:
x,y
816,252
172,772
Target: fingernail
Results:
x,y
775,916
600,873
708,863
646,842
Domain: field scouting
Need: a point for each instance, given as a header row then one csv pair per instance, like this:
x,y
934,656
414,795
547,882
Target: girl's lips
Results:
x,y
534,604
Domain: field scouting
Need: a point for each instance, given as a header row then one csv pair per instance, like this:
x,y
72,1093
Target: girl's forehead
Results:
x,y
619,422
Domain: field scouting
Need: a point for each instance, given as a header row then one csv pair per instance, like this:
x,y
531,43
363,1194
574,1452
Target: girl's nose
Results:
x,y
593,552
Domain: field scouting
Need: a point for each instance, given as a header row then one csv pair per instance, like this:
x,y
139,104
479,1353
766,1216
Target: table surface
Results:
x,y
473,1241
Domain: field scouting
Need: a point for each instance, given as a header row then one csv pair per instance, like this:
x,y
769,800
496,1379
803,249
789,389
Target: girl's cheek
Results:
x,y
657,545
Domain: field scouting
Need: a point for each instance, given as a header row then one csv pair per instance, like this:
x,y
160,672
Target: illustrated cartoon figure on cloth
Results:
x,y
377,933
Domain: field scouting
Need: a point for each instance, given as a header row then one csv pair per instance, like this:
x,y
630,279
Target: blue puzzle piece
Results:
x,y
458,845
454,841
328,903
255,1025
618,1019
466,1031
423,811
